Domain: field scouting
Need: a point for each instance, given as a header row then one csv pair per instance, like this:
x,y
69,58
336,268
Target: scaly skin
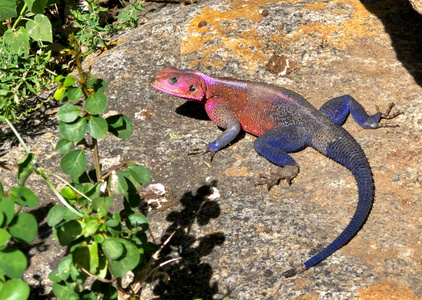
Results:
x,y
284,122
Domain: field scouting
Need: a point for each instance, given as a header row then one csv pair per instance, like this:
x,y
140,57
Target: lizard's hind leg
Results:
x,y
337,109
274,146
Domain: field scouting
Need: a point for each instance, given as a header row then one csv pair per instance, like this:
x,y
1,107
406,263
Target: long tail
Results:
x,y
347,152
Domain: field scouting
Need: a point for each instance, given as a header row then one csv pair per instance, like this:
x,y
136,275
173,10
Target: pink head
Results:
x,y
181,83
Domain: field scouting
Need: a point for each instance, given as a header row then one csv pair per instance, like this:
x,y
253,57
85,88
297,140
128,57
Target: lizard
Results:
x,y
284,122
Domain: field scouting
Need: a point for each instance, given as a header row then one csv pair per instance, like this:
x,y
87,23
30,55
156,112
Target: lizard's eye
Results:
x,y
173,80
192,88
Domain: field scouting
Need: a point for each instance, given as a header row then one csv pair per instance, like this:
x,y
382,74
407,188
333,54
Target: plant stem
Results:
x,y
40,171
96,159
20,16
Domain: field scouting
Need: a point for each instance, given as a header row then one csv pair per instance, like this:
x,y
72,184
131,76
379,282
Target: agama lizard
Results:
x,y
284,122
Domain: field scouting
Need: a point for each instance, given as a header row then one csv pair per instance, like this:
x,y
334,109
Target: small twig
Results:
x,y
69,185
123,165
95,276
140,278
155,255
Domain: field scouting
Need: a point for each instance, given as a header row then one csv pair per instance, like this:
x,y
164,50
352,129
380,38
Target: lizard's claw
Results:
x,y
195,151
386,115
288,173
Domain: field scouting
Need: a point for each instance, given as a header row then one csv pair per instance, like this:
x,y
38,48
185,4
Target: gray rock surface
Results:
x,y
237,246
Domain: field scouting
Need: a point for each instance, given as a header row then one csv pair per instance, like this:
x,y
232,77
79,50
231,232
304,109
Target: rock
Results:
x,y
238,245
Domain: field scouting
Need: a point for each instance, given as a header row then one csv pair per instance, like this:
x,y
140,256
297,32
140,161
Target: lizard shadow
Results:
x,y
404,26
190,278
197,111
193,110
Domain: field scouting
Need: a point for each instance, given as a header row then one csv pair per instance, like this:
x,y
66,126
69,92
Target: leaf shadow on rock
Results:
x,y
37,250
35,122
190,278
404,25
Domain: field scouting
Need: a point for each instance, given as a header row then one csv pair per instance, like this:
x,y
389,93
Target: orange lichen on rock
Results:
x,y
386,290
208,34
360,24
247,45
370,253
236,171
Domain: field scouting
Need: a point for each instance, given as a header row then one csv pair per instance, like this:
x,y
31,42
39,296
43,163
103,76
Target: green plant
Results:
x,y
103,244
127,17
22,227
27,29
24,67
91,32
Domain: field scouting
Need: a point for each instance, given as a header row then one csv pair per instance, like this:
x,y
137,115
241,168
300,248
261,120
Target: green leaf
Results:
x,y
7,206
24,228
96,103
115,221
132,201
36,6
80,257
69,81
40,29
12,261
4,236
98,85
140,173
120,185
17,41
54,276
60,93
74,163
15,289
97,127
7,9
59,213
99,238
69,232
102,203
126,263
120,126
68,193
25,168
74,131
59,79
94,259
1,191
64,267
91,227
68,113
24,196
138,221
63,146
112,248
73,94
64,292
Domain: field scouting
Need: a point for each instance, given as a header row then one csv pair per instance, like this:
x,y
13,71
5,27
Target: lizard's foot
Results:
x,y
386,115
195,151
272,179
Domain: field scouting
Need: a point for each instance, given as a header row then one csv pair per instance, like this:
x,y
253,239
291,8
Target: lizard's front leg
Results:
x,y
274,146
337,109
223,117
